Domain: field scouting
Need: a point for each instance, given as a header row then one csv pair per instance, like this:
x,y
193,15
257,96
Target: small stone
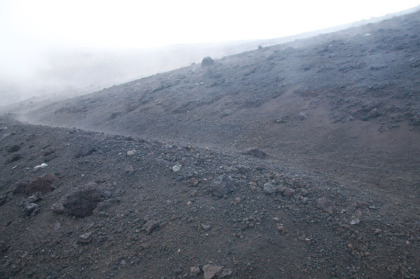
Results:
x,y
302,116
57,207
3,199
85,151
226,272
325,204
128,170
43,165
85,235
151,226
237,200
355,221
107,194
189,203
195,271
206,227
131,152
35,197
378,231
30,208
222,186
85,238
281,229
103,206
194,182
288,192
374,113
176,168
3,246
256,153
211,271
304,192
269,188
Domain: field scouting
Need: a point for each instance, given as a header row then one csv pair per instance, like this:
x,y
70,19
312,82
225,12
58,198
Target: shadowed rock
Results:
x,y
207,61
83,202
43,184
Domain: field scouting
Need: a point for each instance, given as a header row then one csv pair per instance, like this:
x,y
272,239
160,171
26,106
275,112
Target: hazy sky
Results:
x,y
29,28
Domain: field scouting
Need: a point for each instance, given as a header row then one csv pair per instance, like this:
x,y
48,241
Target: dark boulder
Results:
x,y
83,201
207,61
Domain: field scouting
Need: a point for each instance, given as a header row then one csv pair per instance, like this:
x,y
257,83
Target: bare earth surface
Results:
x,y
300,160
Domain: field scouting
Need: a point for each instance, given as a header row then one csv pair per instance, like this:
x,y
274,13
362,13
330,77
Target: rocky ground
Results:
x,y
295,161
106,206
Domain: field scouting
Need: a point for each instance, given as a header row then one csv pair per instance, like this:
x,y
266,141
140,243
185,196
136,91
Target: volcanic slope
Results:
x,y
345,103
297,160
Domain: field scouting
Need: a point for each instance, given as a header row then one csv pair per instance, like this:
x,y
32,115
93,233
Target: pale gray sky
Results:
x,y
30,26
29,29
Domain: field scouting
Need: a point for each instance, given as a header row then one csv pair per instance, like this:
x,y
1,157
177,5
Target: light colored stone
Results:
x,y
211,271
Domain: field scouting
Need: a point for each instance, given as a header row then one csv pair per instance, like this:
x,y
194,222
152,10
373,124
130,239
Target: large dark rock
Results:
x,y
207,61
83,201
43,184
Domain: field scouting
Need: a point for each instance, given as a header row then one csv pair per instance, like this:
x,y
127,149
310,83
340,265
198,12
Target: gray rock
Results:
x,y
176,168
195,271
206,227
85,151
30,208
256,153
373,113
222,187
104,205
288,192
269,188
3,246
207,61
57,207
226,272
150,226
35,197
128,170
85,238
3,199
83,201
211,271
325,204
43,184
302,116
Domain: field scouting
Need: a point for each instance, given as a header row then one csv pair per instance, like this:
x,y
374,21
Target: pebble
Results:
x,y
355,221
288,192
85,238
131,152
151,226
325,204
269,189
30,208
206,227
195,271
211,271
43,165
194,182
176,168
128,169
